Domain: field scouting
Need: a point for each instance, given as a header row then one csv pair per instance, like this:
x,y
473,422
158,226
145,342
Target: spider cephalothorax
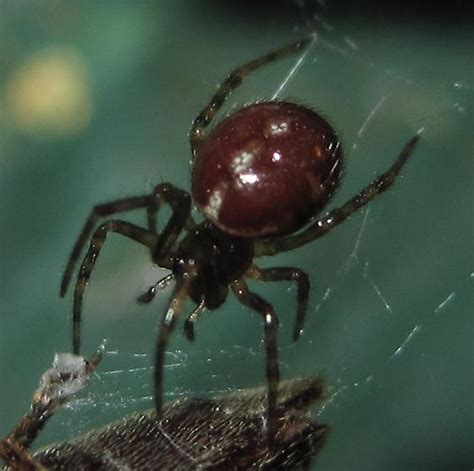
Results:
x,y
213,259
259,178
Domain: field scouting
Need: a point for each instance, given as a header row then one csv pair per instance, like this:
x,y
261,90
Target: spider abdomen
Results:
x,y
267,169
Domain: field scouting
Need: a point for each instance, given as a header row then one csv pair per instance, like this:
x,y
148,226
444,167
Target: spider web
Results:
x,y
388,321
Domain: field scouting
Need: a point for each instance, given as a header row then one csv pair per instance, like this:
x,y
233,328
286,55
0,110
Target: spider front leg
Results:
x,y
99,211
233,80
143,236
179,201
322,226
168,324
161,246
162,252
270,323
152,212
287,274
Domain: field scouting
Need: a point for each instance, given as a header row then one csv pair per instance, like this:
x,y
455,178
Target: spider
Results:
x,y
260,177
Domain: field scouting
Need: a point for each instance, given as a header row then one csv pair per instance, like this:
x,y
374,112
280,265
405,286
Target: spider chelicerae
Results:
x,y
259,177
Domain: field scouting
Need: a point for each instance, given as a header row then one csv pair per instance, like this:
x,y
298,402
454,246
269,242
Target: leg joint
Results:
x,y
176,198
270,319
299,276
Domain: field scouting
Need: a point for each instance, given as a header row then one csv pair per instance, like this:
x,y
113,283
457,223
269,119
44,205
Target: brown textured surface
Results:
x,y
223,433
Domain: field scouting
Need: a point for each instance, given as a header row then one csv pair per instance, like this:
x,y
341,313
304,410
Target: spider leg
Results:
x,y
192,318
287,274
270,323
180,203
168,324
322,226
162,193
98,212
127,229
150,294
151,213
234,79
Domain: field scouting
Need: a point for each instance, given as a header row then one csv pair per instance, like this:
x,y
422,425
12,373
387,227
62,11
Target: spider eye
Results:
x,y
184,267
178,266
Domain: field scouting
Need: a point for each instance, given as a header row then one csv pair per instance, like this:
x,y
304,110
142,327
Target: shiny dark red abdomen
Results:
x,y
266,169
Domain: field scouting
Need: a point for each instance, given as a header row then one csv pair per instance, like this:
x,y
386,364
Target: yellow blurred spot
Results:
x,y
50,92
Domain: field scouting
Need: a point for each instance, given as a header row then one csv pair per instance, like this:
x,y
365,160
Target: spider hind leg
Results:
x,y
270,324
287,274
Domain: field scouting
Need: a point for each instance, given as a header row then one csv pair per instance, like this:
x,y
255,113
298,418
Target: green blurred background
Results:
x,y
96,99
